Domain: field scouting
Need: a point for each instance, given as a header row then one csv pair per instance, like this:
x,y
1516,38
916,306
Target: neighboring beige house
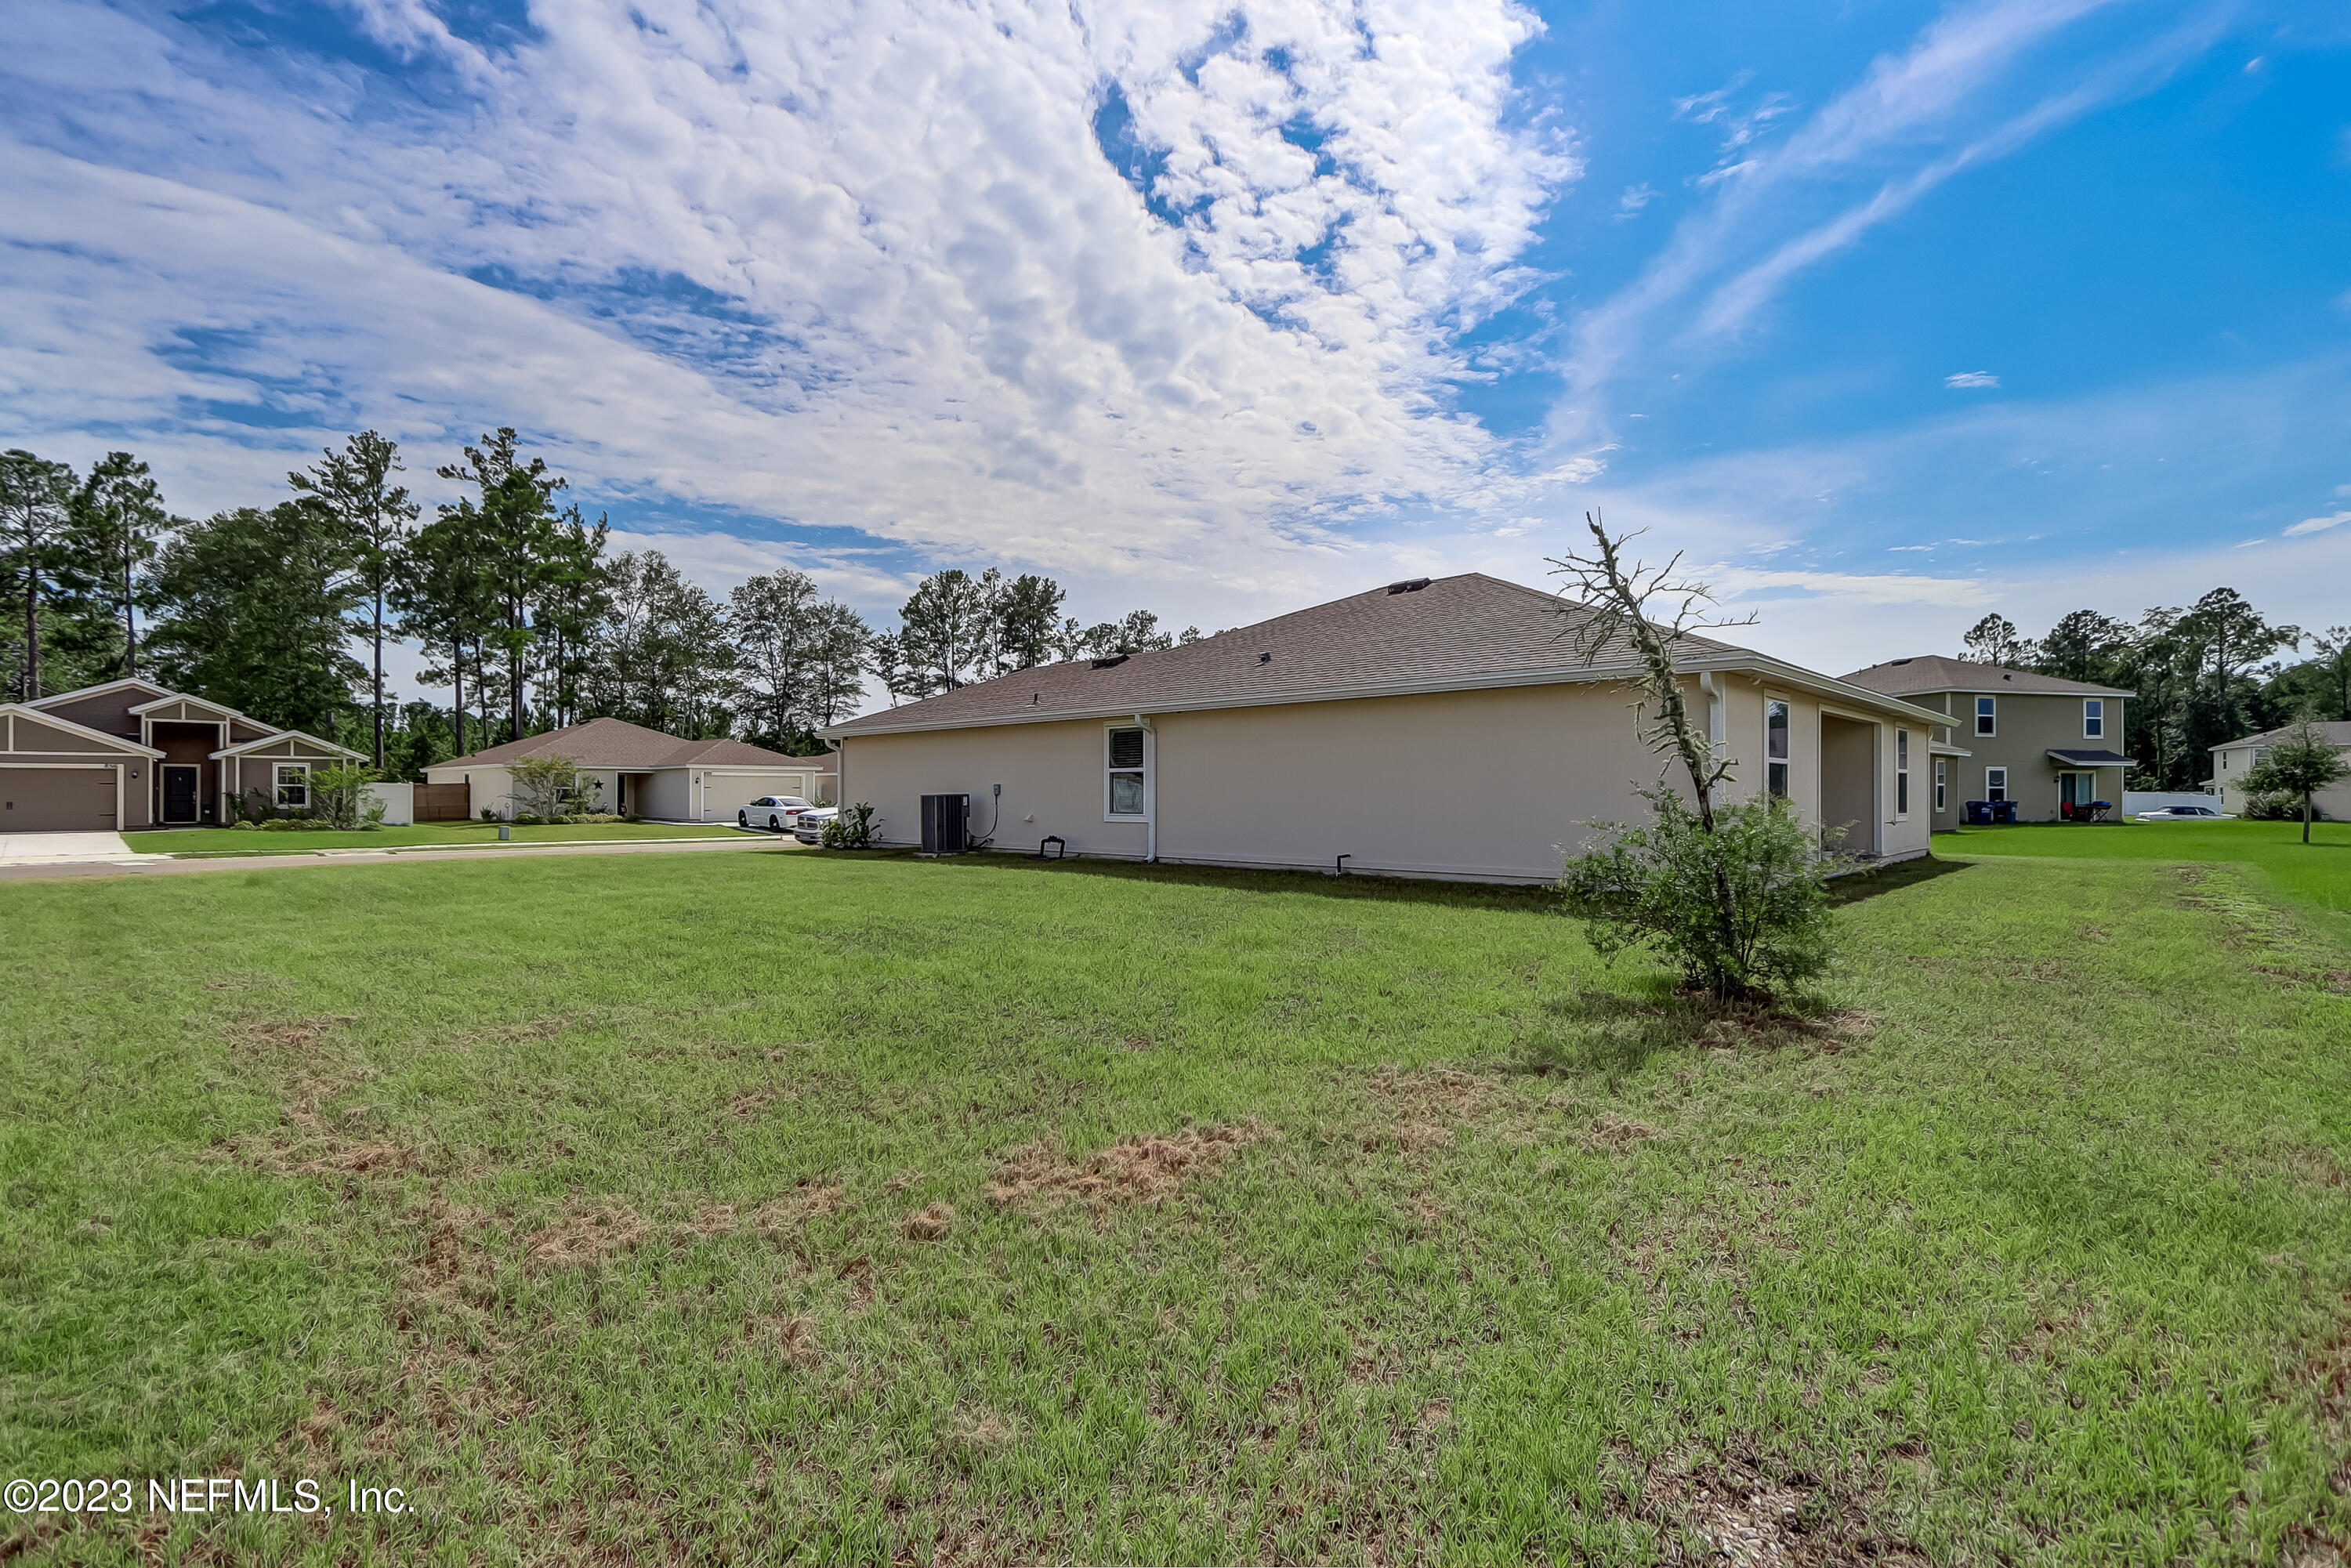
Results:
x,y
2046,743
2231,761
130,755
1277,744
636,771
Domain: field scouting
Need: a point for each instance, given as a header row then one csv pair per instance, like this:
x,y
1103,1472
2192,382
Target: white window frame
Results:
x,y
1146,770
2002,785
1901,775
1942,785
277,786
1987,714
1782,783
2094,718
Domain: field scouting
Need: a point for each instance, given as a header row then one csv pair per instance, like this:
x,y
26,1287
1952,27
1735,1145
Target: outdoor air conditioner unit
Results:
x,y
944,818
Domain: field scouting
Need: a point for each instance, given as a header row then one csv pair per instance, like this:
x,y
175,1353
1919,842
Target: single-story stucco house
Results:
x,y
2232,759
636,771
130,754
1282,744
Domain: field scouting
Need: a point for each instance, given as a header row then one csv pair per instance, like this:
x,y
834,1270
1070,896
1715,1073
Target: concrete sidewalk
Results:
x,y
50,849
157,865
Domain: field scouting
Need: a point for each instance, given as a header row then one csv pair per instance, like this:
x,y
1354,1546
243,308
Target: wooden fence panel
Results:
x,y
444,803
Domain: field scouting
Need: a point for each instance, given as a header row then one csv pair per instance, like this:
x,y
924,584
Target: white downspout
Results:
x,y
1715,733
1150,789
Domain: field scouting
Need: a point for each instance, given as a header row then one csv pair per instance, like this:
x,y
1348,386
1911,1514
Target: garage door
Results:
x,y
57,800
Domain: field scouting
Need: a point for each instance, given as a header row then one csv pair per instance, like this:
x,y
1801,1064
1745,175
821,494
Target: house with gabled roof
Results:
x,y
641,772
132,754
2051,746
1435,728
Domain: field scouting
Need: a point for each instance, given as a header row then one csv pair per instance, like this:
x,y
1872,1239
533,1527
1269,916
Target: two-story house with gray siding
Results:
x,y
2051,744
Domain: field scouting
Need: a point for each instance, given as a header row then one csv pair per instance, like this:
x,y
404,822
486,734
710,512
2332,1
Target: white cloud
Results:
x,y
2318,525
857,266
1635,198
1967,378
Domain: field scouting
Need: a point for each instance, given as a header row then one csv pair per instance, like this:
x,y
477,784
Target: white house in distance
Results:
x,y
641,772
1278,744
2231,761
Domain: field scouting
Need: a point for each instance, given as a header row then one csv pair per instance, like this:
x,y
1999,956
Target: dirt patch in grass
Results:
x,y
1757,1512
1617,1134
930,1224
1146,1169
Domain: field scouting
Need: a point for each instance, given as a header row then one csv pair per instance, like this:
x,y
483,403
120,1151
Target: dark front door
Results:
x,y
179,794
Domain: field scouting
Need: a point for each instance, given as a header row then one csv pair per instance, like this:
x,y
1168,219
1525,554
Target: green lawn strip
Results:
x,y
209,844
2317,873
574,1196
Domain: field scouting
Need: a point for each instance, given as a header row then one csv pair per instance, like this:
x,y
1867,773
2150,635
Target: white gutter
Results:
x,y
1565,674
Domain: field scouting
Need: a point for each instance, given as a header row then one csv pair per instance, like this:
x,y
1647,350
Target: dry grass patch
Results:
x,y
1146,1169
930,1224
589,1234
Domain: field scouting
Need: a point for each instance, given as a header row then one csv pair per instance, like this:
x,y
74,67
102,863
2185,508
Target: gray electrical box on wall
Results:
x,y
944,820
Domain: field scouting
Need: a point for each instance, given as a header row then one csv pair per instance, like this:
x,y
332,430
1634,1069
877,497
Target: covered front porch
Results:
x,y
2089,782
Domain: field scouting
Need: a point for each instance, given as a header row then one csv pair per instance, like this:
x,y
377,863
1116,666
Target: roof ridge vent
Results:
x,y
1111,663
1410,585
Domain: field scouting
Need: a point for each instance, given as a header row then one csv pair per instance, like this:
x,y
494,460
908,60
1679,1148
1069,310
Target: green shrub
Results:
x,y
1741,911
591,818
2276,808
851,830
242,826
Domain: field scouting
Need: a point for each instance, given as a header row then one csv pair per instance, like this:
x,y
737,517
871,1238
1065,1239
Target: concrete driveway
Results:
x,y
61,849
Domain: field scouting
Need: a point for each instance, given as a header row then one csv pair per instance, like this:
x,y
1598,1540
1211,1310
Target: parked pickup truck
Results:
x,y
777,813
810,828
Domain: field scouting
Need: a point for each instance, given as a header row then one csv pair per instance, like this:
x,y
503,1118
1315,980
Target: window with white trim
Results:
x,y
1987,715
1125,768
1901,773
1775,747
1995,783
2094,718
294,786
1942,784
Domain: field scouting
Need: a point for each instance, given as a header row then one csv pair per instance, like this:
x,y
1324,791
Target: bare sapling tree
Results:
x,y
1618,607
1733,892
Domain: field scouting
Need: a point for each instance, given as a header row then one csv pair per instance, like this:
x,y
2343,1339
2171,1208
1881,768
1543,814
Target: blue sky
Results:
x,y
1889,314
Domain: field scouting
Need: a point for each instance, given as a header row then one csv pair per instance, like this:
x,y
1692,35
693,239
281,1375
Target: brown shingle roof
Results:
x,y
2335,730
616,743
1934,672
1455,630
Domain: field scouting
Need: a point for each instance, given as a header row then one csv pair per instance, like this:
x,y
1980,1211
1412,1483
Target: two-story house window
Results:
x,y
2094,718
1987,715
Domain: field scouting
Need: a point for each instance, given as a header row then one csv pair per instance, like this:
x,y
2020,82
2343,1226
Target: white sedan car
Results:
x,y
809,827
777,813
2185,814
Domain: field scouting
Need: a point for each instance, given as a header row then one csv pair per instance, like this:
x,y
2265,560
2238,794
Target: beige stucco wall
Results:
x,y
1511,776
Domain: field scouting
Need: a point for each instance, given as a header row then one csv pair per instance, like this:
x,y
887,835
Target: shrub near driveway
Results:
x,y
1093,1214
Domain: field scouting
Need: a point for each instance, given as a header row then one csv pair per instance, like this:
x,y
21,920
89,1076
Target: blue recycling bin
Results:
x,y
1979,813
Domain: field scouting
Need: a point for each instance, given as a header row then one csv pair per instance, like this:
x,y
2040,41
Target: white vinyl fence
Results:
x,y
399,803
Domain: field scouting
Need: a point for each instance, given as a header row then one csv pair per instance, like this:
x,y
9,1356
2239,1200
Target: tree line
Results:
x,y
2202,675
284,611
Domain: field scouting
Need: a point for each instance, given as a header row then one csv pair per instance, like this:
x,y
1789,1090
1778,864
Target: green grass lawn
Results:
x,y
228,841
2318,872
769,1206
